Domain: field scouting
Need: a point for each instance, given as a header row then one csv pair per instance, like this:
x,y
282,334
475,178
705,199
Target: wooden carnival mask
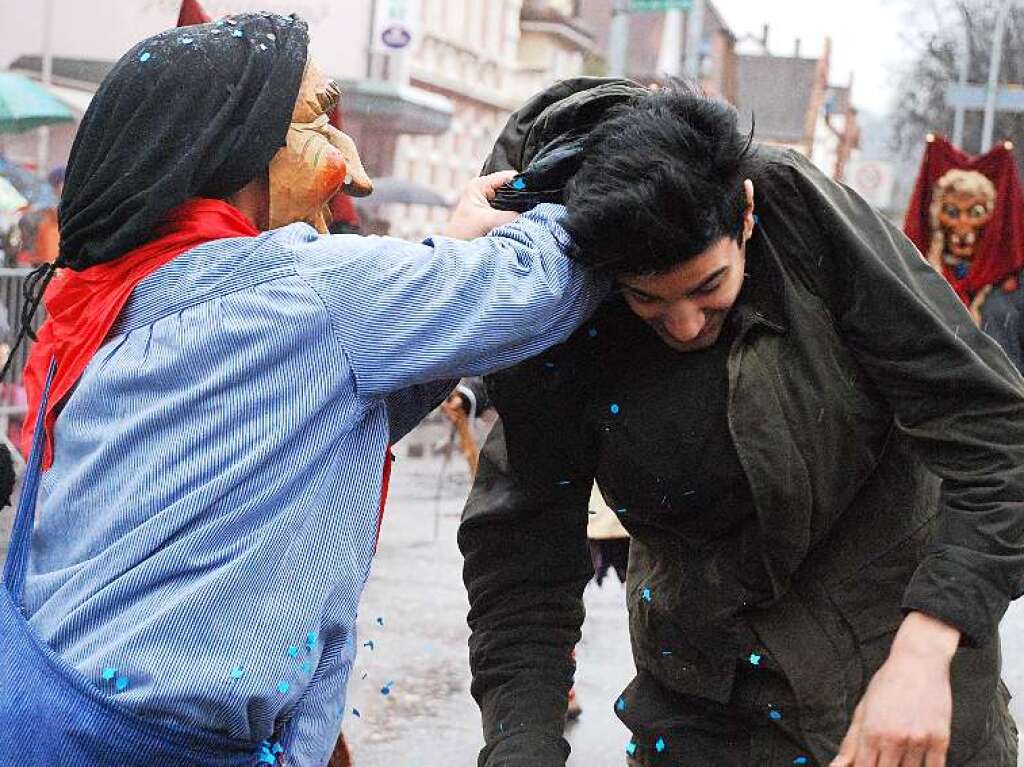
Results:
x,y
962,204
317,161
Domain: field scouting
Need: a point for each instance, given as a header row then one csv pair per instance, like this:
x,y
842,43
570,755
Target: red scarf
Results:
x,y
81,307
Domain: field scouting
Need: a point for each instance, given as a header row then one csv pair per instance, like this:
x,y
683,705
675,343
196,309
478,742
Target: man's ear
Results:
x,y
748,212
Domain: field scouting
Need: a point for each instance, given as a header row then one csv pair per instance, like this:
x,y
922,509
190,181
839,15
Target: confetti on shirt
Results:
x,y
631,748
646,594
755,659
620,704
660,745
109,673
368,643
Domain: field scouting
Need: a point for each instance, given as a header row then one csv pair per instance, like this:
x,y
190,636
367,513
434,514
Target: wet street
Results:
x,y
419,656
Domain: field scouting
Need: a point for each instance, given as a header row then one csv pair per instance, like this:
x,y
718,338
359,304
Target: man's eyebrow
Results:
x,y
709,279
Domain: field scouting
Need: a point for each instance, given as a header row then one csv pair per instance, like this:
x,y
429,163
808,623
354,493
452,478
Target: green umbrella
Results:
x,y
25,104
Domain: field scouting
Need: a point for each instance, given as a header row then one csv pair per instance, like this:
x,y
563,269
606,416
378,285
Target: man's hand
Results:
x,y
473,216
904,718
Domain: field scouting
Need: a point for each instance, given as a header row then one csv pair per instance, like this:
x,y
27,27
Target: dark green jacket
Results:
x,y
882,437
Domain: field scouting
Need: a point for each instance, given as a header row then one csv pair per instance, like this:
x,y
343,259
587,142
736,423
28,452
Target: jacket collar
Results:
x,y
762,301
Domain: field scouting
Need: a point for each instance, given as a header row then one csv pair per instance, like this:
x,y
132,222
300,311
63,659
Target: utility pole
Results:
x,y
46,76
618,39
993,76
965,70
694,38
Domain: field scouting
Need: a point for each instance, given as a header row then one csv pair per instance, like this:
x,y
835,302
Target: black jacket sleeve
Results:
x,y
523,536
952,389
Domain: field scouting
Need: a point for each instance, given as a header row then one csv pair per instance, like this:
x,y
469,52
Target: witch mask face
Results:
x,y
317,160
964,206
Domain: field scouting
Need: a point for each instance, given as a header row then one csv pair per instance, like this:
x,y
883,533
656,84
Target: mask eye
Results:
x,y
978,211
950,211
329,97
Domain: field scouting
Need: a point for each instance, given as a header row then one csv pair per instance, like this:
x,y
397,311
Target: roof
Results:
x,y
544,17
78,70
778,91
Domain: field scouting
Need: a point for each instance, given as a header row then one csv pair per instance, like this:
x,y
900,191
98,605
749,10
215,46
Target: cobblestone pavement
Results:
x,y
428,718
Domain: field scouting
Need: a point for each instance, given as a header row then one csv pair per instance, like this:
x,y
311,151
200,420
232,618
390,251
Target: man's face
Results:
x,y
687,306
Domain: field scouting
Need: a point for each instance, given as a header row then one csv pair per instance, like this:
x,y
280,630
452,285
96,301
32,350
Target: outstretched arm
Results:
x,y
524,540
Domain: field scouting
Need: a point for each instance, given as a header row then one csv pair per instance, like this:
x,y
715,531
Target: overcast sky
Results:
x,y
865,38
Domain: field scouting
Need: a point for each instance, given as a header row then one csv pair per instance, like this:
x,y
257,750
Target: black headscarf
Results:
x,y
196,111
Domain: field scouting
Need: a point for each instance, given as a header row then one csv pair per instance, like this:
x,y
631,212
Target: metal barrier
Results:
x,y
12,403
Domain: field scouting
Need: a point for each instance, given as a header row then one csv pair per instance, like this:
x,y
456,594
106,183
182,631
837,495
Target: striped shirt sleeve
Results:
x,y
409,313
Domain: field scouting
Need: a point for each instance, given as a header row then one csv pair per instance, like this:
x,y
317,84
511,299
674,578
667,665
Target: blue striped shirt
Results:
x,y
208,523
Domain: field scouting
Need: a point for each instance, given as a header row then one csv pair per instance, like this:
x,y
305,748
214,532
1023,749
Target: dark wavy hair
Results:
x,y
660,182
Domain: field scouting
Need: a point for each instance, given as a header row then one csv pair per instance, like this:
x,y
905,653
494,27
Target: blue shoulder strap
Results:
x,y
21,534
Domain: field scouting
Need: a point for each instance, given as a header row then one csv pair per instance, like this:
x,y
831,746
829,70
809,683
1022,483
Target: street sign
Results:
x,y
659,5
1008,98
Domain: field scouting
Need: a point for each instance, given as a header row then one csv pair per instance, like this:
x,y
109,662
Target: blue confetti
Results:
x,y
564,482
283,687
364,675
666,653
620,704
380,621
631,748
368,643
386,689
519,184
293,651
146,56
236,672
620,511
121,683
186,40
549,365
311,640
774,715
277,749
592,332
660,746
271,36
755,659
238,33
232,22
109,673
306,667
356,714
263,47
646,594
800,760
615,409
267,758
